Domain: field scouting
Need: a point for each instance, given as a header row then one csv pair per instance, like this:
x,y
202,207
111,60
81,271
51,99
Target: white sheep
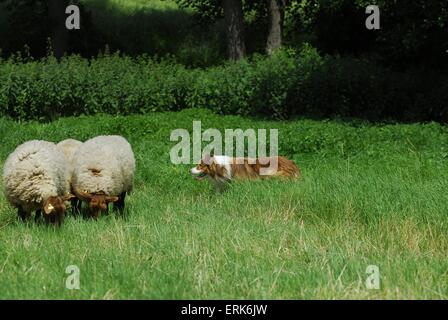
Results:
x,y
36,178
104,170
69,148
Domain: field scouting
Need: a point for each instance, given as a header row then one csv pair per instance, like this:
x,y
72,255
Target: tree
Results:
x,y
276,21
234,20
233,13
59,33
26,25
410,36
33,21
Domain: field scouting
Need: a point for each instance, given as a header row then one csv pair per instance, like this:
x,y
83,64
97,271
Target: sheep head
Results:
x,y
98,202
54,207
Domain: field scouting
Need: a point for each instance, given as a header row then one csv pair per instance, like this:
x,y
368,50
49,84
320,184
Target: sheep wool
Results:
x,y
104,165
69,148
35,171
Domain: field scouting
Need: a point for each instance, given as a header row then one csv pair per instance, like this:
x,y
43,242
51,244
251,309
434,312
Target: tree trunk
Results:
x,y
276,18
59,33
234,20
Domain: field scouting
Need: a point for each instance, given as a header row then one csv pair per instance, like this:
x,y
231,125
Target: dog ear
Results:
x,y
208,159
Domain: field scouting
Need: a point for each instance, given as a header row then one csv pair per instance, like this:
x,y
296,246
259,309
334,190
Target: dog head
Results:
x,y
215,167
205,167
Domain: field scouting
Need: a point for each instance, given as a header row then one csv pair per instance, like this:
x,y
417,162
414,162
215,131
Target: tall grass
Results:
x,y
370,195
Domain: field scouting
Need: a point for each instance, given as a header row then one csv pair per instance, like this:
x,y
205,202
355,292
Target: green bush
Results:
x,y
350,87
285,85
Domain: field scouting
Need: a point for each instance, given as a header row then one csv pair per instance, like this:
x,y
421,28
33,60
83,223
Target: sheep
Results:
x,y
104,169
35,178
69,147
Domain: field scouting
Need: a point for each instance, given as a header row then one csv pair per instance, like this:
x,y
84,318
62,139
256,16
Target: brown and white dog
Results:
x,y
222,169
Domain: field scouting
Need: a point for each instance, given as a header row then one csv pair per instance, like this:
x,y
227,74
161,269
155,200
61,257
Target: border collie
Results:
x,y
222,169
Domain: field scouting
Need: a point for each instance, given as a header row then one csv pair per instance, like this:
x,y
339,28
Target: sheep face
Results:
x,y
98,203
54,208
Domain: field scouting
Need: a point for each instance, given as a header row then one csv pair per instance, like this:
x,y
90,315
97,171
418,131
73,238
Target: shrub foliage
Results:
x,y
284,85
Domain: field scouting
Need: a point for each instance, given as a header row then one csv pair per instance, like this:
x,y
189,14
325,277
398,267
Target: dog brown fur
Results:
x,y
248,169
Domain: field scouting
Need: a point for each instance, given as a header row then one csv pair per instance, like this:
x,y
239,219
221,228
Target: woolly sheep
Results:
x,y
104,169
35,178
69,148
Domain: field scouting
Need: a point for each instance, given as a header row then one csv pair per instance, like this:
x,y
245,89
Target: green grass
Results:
x,y
131,6
139,4
370,195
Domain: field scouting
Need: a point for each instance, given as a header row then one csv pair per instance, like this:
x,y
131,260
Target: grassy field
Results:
x,y
370,195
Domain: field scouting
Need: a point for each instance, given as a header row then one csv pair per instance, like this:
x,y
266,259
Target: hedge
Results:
x,y
282,86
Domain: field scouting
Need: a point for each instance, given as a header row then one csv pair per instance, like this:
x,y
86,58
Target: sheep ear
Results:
x,y
48,208
112,199
82,195
68,197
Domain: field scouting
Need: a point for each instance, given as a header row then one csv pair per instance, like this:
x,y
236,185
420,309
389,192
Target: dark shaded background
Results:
x,y
406,59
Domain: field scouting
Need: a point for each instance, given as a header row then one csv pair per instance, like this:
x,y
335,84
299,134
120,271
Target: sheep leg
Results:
x,y
52,219
38,215
75,206
95,214
23,214
59,218
120,203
